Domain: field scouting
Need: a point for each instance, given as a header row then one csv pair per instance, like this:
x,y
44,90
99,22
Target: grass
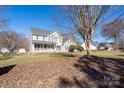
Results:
x,y
107,54
26,58
110,54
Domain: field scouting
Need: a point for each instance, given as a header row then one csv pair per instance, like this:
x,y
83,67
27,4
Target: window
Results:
x,y
52,46
34,37
55,39
45,38
45,46
40,38
50,39
58,47
58,40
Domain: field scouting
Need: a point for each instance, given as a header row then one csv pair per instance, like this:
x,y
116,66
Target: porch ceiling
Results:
x,y
44,42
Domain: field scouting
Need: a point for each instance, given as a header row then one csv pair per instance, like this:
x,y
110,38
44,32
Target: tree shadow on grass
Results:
x,y
6,57
121,55
9,56
104,72
6,69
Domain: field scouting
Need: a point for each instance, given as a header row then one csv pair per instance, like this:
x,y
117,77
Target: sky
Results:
x,y
22,18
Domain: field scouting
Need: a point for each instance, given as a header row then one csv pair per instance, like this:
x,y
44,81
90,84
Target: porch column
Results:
x,y
54,47
40,47
32,50
49,47
46,47
43,46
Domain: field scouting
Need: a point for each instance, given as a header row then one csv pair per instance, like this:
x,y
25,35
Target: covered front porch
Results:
x,y
41,47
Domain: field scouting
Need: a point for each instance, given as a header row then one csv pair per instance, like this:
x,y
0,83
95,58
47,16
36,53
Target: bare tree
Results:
x,y
121,42
113,30
71,36
12,40
85,19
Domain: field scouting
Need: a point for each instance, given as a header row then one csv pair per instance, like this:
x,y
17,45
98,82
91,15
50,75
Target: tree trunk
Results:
x,y
87,45
88,53
88,40
115,44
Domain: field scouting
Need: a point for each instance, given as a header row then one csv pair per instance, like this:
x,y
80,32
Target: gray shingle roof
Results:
x,y
42,32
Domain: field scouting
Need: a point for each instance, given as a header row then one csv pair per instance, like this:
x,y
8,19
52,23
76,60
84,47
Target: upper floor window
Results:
x,y
58,40
40,38
50,39
34,37
55,39
45,38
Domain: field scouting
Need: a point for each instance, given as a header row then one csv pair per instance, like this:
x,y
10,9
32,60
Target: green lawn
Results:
x,y
26,58
107,54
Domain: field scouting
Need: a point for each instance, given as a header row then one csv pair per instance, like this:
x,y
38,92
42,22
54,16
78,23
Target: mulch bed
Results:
x,y
67,72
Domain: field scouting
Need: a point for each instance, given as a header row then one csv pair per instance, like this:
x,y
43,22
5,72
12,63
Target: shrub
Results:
x,y
106,48
80,48
72,48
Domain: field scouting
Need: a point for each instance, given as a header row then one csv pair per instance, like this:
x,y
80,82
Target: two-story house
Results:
x,y
46,41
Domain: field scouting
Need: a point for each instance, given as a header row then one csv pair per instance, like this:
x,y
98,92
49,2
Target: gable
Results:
x,y
56,35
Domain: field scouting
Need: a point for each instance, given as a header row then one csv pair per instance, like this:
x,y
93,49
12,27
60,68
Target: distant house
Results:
x,y
4,50
46,41
22,50
99,46
92,46
105,46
